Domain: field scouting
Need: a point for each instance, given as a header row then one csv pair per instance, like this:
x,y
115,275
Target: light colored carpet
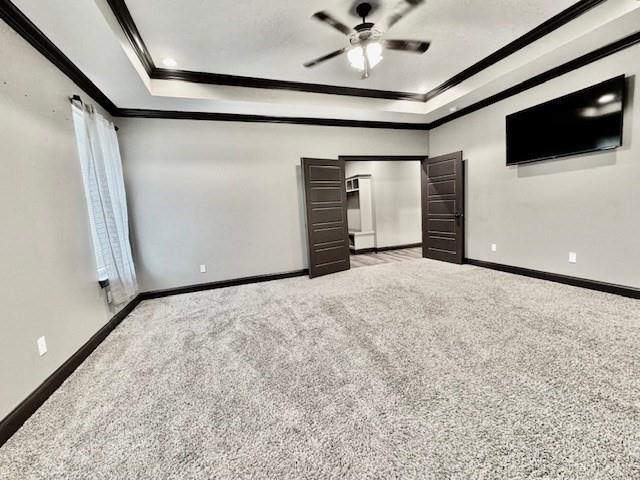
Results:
x,y
408,370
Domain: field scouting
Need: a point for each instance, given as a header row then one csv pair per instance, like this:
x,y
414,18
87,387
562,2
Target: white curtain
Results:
x,y
106,200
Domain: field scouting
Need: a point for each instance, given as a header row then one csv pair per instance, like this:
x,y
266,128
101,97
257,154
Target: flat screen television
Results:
x,y
584,121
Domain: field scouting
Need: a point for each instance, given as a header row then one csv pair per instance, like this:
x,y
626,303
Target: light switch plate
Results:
x,y
42,346
203,269
573,258
494,247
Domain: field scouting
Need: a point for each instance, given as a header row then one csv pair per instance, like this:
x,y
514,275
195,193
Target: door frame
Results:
x,y
393,158
422,159
390,158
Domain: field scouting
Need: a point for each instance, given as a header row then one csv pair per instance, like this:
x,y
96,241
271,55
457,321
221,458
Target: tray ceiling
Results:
x,y
273,39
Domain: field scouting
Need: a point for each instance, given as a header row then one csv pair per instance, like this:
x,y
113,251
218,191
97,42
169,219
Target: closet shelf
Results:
x,y
362,234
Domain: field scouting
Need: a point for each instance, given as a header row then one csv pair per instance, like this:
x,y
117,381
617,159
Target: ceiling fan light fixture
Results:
x,y
356,58
374,53
364,49
356,55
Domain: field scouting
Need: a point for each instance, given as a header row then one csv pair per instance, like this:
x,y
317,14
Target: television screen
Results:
x,y
584,121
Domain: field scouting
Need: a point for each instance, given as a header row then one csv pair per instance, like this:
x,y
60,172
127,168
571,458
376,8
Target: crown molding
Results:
x,y
238,117
38,40
555,22
123,15
19,22
35,37
586,59
270,84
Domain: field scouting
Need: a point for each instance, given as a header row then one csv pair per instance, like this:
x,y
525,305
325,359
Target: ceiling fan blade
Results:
x,y
328,56
331,21
416,46
403,8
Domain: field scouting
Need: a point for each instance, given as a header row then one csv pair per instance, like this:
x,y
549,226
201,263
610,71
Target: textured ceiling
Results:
x,y
90,35
272,39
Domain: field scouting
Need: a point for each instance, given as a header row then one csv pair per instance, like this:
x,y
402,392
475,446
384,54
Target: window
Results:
x,y
106,200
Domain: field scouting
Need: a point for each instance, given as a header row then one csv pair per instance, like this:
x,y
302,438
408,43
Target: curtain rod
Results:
x,y
76,98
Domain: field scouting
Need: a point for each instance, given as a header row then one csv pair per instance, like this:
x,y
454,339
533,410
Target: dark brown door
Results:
x,y
443,208
326,203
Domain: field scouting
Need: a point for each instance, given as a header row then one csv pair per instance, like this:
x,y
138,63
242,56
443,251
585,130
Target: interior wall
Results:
x,y
229,195
537,213
48,280
396,198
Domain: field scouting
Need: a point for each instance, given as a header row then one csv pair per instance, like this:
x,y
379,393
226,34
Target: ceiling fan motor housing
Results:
x,y
363,26
365,32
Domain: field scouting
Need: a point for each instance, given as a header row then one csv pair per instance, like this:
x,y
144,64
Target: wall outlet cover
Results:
x,y
573,258
494,247
42,345
203,269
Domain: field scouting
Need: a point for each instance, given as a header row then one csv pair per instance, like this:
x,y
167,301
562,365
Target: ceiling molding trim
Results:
x,y
10,14
19,22
238,117
131,31
123,15
253,82
525,40
586,59
38,40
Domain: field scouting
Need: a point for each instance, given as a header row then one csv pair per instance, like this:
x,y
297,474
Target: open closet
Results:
x,y
360,213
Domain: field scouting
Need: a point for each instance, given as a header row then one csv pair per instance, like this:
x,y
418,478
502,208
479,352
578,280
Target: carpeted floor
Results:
x,y
408,370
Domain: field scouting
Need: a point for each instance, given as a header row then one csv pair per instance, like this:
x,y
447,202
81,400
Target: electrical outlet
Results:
x,y
42,346
203,269
109,297
494,247
573,258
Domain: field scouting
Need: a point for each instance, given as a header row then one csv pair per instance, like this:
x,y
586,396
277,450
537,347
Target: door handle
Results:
x,y
458,215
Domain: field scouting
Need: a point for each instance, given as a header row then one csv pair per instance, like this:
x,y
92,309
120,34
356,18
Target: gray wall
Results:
x,y
228,194
48,280
396,197
537,213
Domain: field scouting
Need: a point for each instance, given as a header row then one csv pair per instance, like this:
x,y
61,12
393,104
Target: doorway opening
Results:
x,y
384,205
368,205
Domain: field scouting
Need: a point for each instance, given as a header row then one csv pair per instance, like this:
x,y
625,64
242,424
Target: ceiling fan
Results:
x,y
364,49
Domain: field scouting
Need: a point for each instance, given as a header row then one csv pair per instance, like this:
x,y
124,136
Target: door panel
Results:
x,y
328,235
442,188
443,208
440,208
326,195
326,215
441,226
326,206
325,173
